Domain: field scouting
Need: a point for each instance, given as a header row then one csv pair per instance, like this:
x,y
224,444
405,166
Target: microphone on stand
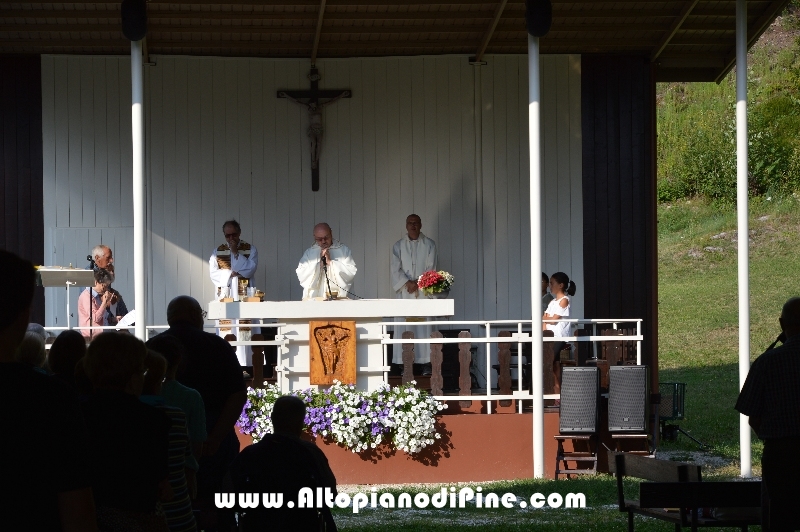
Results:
x,y
327,279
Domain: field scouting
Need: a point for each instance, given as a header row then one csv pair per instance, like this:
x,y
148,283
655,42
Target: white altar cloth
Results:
x,y
293,356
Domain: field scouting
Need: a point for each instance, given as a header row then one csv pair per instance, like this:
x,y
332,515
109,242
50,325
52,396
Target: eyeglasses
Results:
x,y
231,235
204,313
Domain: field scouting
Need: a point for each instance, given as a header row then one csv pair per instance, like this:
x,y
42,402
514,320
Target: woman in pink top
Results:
x,y
94,304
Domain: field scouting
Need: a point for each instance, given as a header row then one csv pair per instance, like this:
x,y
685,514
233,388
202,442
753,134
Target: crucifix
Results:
x,y
311,100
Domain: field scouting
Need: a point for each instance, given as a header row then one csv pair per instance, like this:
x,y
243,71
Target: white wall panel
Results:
x,y
220,145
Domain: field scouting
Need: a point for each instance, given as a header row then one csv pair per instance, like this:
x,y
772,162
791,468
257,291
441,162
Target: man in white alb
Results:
x,y
230,262
326,253
412,255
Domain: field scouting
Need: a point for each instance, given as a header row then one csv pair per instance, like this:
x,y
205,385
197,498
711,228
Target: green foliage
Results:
x,y
697,129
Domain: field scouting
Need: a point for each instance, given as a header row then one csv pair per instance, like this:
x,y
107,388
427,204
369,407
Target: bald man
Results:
x,y
326,253
771,398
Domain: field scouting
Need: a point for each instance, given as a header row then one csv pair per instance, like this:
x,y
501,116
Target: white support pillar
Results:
x,y
137,135
743,229
534,97
478,109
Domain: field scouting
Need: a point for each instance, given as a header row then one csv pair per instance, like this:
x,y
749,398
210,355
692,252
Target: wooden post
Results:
x,y
258,362
437,382
504,374
464,361
408,358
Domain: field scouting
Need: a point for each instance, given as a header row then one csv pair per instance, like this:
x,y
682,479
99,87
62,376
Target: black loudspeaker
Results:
x,y
538,17
628,398
580,390
134,19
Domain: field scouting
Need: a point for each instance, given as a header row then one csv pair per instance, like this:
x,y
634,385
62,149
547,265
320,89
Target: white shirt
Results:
x,y
410,259
341,271
560,329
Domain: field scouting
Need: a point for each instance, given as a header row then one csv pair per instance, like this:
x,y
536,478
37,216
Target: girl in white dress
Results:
x,y
561,288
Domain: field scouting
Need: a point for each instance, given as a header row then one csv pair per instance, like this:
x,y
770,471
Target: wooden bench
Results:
x,y
729,496
678,479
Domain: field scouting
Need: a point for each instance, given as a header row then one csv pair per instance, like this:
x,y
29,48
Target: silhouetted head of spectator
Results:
x,y
38,329
171,349
790,317
15,311
288,415
185,310
156,367
31,350
68,348
116,361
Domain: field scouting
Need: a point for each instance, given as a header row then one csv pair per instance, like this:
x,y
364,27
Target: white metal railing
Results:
x,y
519,337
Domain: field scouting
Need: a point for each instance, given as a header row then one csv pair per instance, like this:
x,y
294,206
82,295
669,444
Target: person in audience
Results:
x,y
94,305
180,396
31,351
210,367
562,289
39,329
65,353
177,510
283,462
547,297
103,258
128,440
771,398
44,473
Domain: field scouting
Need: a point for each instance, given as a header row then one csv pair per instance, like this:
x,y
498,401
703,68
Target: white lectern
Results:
x,y
293,318
62,276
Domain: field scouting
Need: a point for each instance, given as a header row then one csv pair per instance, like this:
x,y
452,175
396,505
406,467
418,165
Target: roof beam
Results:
x,y
317,33
757,29
673,29
5,26
498,12
156,44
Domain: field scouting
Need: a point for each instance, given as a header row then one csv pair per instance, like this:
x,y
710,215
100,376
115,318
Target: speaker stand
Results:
x,y
589,455
641,438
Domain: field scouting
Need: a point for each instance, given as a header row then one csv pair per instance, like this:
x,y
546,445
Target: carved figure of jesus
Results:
x,y
315,129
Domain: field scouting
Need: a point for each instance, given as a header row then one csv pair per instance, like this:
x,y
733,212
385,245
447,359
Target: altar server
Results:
x,y
412,255
326,253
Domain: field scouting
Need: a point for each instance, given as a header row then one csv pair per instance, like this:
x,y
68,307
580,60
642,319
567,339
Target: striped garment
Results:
x,y
179,510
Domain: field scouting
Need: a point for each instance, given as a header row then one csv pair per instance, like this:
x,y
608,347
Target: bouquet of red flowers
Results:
x,y
432,282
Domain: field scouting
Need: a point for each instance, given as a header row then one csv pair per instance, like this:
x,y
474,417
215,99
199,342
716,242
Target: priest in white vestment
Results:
x,y
330,253
230,262
412,255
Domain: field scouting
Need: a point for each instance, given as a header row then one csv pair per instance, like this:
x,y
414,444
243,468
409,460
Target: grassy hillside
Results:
x,y
698,304
696,125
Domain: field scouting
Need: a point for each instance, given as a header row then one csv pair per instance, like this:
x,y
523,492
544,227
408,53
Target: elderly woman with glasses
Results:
x,y
94,304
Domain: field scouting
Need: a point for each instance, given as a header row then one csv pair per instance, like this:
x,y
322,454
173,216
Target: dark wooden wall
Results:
x,y
619,223
22,230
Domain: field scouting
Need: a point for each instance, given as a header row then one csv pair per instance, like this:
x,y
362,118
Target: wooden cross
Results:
x,y
311,100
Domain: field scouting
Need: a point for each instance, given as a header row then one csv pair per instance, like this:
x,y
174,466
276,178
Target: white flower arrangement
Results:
x,y
357,420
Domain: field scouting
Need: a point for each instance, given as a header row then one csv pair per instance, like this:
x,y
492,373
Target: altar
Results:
x,y
293,318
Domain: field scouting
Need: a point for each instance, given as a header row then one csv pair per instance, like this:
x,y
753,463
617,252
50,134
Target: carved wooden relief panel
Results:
x,y
332,348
